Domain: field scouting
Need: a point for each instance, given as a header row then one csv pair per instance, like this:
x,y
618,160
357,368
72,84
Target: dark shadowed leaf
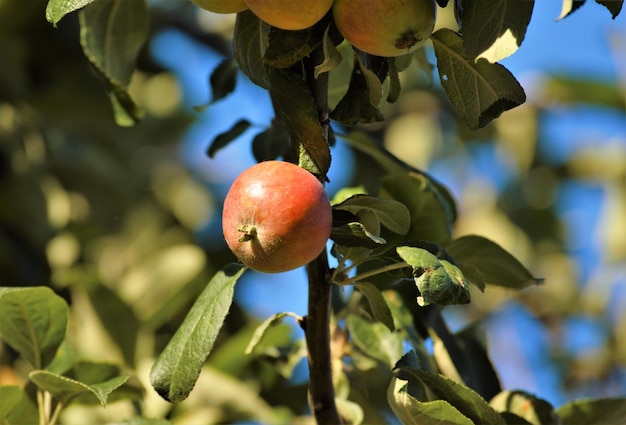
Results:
x,y
604,411
271,143
33,322
57,9
223,81
479,91
223,139
355,234
614,6
378,306
285,48
177,368
112,33
249,38
496,265
494,30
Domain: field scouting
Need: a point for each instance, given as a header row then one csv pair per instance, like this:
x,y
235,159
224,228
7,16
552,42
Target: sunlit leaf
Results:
x,y
57,9
569,6
260,332
378,306
33,322
494,30
375,339
112,33
602,411
479,91
526,406
177,368
496,266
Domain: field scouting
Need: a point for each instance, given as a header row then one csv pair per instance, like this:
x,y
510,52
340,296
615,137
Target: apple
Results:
x,y
290,14
385,28
276,217
222,6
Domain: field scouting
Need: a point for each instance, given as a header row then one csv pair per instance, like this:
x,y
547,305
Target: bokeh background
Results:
x,y
136,212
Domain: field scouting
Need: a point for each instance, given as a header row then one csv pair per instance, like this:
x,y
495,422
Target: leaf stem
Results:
x,y
362,276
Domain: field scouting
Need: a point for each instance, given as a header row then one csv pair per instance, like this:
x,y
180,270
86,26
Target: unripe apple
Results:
x,y
222,6
290,14
276,217
385,27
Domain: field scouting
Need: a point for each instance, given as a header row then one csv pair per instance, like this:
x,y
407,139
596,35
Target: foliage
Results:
x,y
101,259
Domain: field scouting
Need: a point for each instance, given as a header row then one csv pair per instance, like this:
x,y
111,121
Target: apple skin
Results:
x,y
290,14
222,6
385,28
276,217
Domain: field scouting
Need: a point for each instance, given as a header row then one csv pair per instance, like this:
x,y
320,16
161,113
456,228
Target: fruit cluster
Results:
x,y
382,28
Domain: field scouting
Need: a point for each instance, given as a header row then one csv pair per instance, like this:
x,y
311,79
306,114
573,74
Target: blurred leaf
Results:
x,y
223,139
223,80
99,376
175,371
411,411
142,420
526,406
496,265
33,322
17,407
569,7
438,281
249,38
285,48
57,9
390,213
614,6
65,389
113,311
479,91
395,86
349,411
295,106
468,402
378,306
375,339
260,332
271,143
603,411
494,31
571,90
112,33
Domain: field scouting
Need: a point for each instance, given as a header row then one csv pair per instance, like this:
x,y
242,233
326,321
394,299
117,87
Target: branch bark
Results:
x,y
317,325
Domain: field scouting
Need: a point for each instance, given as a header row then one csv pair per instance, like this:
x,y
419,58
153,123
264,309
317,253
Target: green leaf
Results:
x,y
479,91
261,331
249,39
349,411
411,411
494,30
285,48
57,9
614,6
177,368
223,139
604,411
17,407
142,420
33,322
439,281
332,57
378,306
100,377
223,80
295,106
466,400
496,265
271,143
526,406
375,339
111,34
65,389
390,213
355,234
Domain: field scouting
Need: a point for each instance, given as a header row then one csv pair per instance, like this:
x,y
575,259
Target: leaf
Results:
x,y
496,266
175,371
569,7
378,306
390,213
223,81
603,411
467,401
375,339
494,30
249,39
349,411
111,34
17,407
223,139
260,332
438,281
479,91
271,143
411,411
57,9
65,389
33,322
100,376
614,6
295,106
355,234
332,57
285,48
526,406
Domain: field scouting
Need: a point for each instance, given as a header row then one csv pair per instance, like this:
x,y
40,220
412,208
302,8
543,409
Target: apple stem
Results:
x,y
249,232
